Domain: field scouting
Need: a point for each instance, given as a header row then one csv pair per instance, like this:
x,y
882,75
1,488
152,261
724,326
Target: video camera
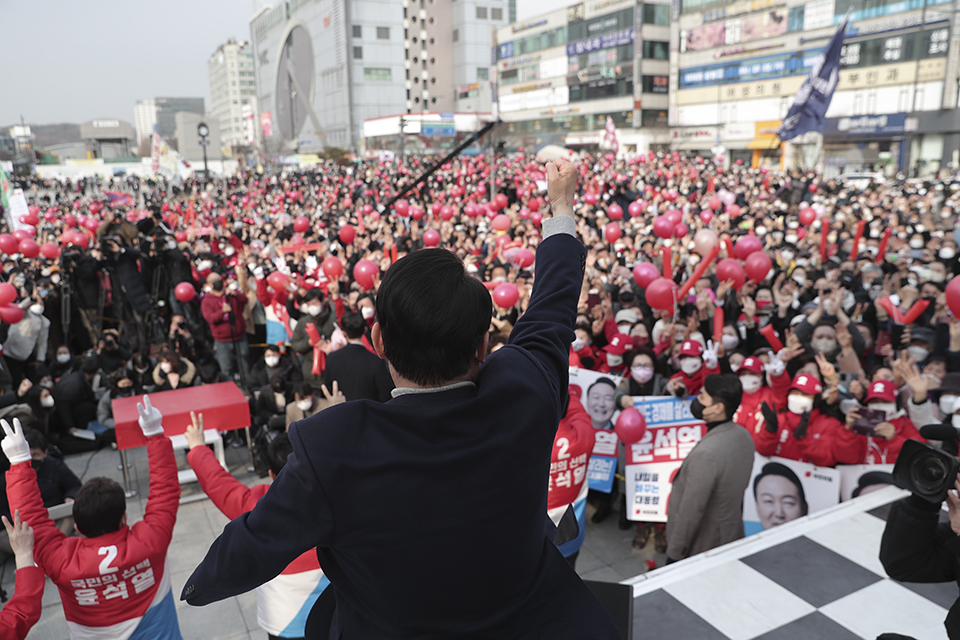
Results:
x,y
926,471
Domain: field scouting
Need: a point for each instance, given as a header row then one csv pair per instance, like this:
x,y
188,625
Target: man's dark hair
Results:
x,y
433,316
35,439
277,452
99,507
353,325
91,365
303,389
313,294
778,469
209,373
606,381
727,389
272,347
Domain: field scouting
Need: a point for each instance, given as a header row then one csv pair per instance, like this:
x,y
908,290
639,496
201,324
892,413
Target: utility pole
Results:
x,y
403,137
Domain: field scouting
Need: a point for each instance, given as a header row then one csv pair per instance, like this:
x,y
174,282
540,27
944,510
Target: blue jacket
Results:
x,y
427,511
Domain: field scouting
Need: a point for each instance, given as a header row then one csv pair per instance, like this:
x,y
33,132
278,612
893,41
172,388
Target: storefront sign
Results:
x,y
599,7
817,15
897,23
693,133
889,10
890,124
736,9
776,66
519,61
523,26
607,40
737,131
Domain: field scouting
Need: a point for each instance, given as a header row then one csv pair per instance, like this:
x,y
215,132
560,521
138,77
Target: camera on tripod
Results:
x,y
926,471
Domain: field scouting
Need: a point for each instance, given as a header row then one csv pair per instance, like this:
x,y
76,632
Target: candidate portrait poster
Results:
x,y
597,393
860,479
781,491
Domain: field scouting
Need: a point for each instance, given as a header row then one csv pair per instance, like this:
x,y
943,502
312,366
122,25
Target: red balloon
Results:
x,y
92,224
505,295
662,294
644,273
181,236
674,216
402,208
734,210
8,293
635,209
747,245
501,222
435,209
298,241
758,265
8,244
50,250
501,200
301,224
31,219
347,202
20,235
29,248
524,213
534,204
471,210
706,216
714,203
663,228
812,188
631,426
681,230
347,234
612,232
536,218
730,269
807,216
332,268
11,314
431,238
278,281
416,213
50,216
590,199
70,220
615,212
446,212
184,292
367,209
364,272
523,258
953,296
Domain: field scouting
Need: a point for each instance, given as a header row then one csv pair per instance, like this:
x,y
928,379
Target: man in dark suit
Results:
x,y
360,374
427,511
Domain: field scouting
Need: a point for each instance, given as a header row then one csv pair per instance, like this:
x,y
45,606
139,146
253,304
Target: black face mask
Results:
x,y
696,408
217,286
124,392
36,464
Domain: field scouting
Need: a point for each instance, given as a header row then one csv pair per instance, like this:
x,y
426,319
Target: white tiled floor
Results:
x,y
856,538
880,608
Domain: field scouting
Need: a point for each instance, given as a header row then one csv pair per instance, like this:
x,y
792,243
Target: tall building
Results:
x,y
560,75
145,119
475,23
159,114
232,86
322,67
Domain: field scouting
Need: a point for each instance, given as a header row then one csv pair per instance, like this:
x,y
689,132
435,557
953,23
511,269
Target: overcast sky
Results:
x,y
76,60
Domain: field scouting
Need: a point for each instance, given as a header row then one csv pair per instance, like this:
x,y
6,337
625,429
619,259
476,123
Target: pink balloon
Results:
x,y
184,292
11,314
50,250
615,212
523,258
364,273
644,273
471,210
501,200
808,216
20,235
301,224
8,293
501,222
431,238
612,232
706,216
435,209
953,296
704,241
446,212
758,265
505,295
402,207
730,269
536,218
681,230
631,426
590,199
332,268
29,248
347,234
534,204
747,245
8,243
734,210
714,203
663,227
278,281
674,216
661,294
367,209
70,220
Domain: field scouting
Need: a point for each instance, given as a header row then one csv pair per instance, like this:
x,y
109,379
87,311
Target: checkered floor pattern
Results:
x,y
815,579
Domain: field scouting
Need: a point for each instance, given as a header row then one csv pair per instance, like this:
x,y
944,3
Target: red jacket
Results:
x,y
855,448
818,446
571,455
116,577
694,383
748,414
23,610
224,326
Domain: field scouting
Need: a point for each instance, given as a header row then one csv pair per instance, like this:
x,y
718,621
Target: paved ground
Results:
x,y
607,554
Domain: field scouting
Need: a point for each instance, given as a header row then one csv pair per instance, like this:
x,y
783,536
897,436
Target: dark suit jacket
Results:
x,y
361,375
428,511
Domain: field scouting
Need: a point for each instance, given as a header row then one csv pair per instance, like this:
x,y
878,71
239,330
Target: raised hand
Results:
x,y
561,187
769,418
150,418
335,396
14,445
194,432
801,429
21,539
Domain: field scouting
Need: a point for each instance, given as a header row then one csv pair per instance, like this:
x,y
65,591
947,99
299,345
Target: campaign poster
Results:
x,y
651,464
860,479
782,490
597,392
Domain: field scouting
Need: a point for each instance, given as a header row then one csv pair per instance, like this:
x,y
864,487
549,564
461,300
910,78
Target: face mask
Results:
x,y
47,402
204,265
36,309
955,421
614,360
46,383
787,255
946,404
217,286
624,329
916,244
888,408
696,408
729,342
802,262
945,214
918,353
824,345
124,392
642,341
271,361
790,238
799,404
947,253
228,251
750,383
166,367
55,279
367,312
304,405
578,344
313,310
690,365
280,400
641,374
63,358
734,368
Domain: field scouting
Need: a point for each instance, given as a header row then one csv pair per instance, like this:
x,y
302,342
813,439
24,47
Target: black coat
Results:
x,y
125,265
71,394
287,368
57,483
361,375
916,547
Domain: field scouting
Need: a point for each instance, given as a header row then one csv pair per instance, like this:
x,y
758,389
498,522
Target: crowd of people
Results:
x,y
841,336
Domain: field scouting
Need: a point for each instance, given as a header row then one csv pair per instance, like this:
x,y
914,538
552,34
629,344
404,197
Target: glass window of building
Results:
x,y
655,50
656,14
357,31
377,74
383,33
483,73
496,13
358,53
795,19
481,13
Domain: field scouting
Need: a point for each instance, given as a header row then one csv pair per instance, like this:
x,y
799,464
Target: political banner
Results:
x,y
17,208
651,464
782,490
597,392
860,479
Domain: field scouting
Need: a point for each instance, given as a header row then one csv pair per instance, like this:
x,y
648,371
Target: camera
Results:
x,y
925,471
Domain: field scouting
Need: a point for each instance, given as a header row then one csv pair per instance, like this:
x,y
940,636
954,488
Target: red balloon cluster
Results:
x,y
747,245
9,312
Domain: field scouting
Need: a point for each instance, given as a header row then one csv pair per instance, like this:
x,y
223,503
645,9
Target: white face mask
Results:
x,y
36,309
47,402
271,361
624,329
889,408
916,244
313,310
690,365
729,342
166,367
790,238
824,345
614,360
641,374
787,255
955,421
802,262
304,405
750,383
799,404
734,368
918,353
947,253
63,358
367,312
946,404
578,344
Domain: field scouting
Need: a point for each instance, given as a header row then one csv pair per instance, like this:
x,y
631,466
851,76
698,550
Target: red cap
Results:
x,y
619,345
807,384
691,348
882,390
575,391
751,364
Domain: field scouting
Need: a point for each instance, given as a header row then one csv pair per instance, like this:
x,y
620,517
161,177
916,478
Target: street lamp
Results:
x,y
203,131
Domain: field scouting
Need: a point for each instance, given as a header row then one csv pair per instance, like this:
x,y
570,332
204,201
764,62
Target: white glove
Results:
x,y
776,366
258,272
710,355
14,445
311,263
150,418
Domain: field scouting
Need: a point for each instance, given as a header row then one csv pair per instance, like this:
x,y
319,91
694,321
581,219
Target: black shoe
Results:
x,y
603,510
623,524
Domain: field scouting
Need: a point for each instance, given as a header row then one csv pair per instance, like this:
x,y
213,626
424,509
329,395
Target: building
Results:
x,y
159,115
739,66
189,139
108,138
232,86
426,133
145,119
322,67
561,74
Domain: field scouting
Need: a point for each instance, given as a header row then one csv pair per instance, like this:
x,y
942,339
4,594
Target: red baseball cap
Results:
x,y
691,348
882,390
751,364
619,345
805,383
